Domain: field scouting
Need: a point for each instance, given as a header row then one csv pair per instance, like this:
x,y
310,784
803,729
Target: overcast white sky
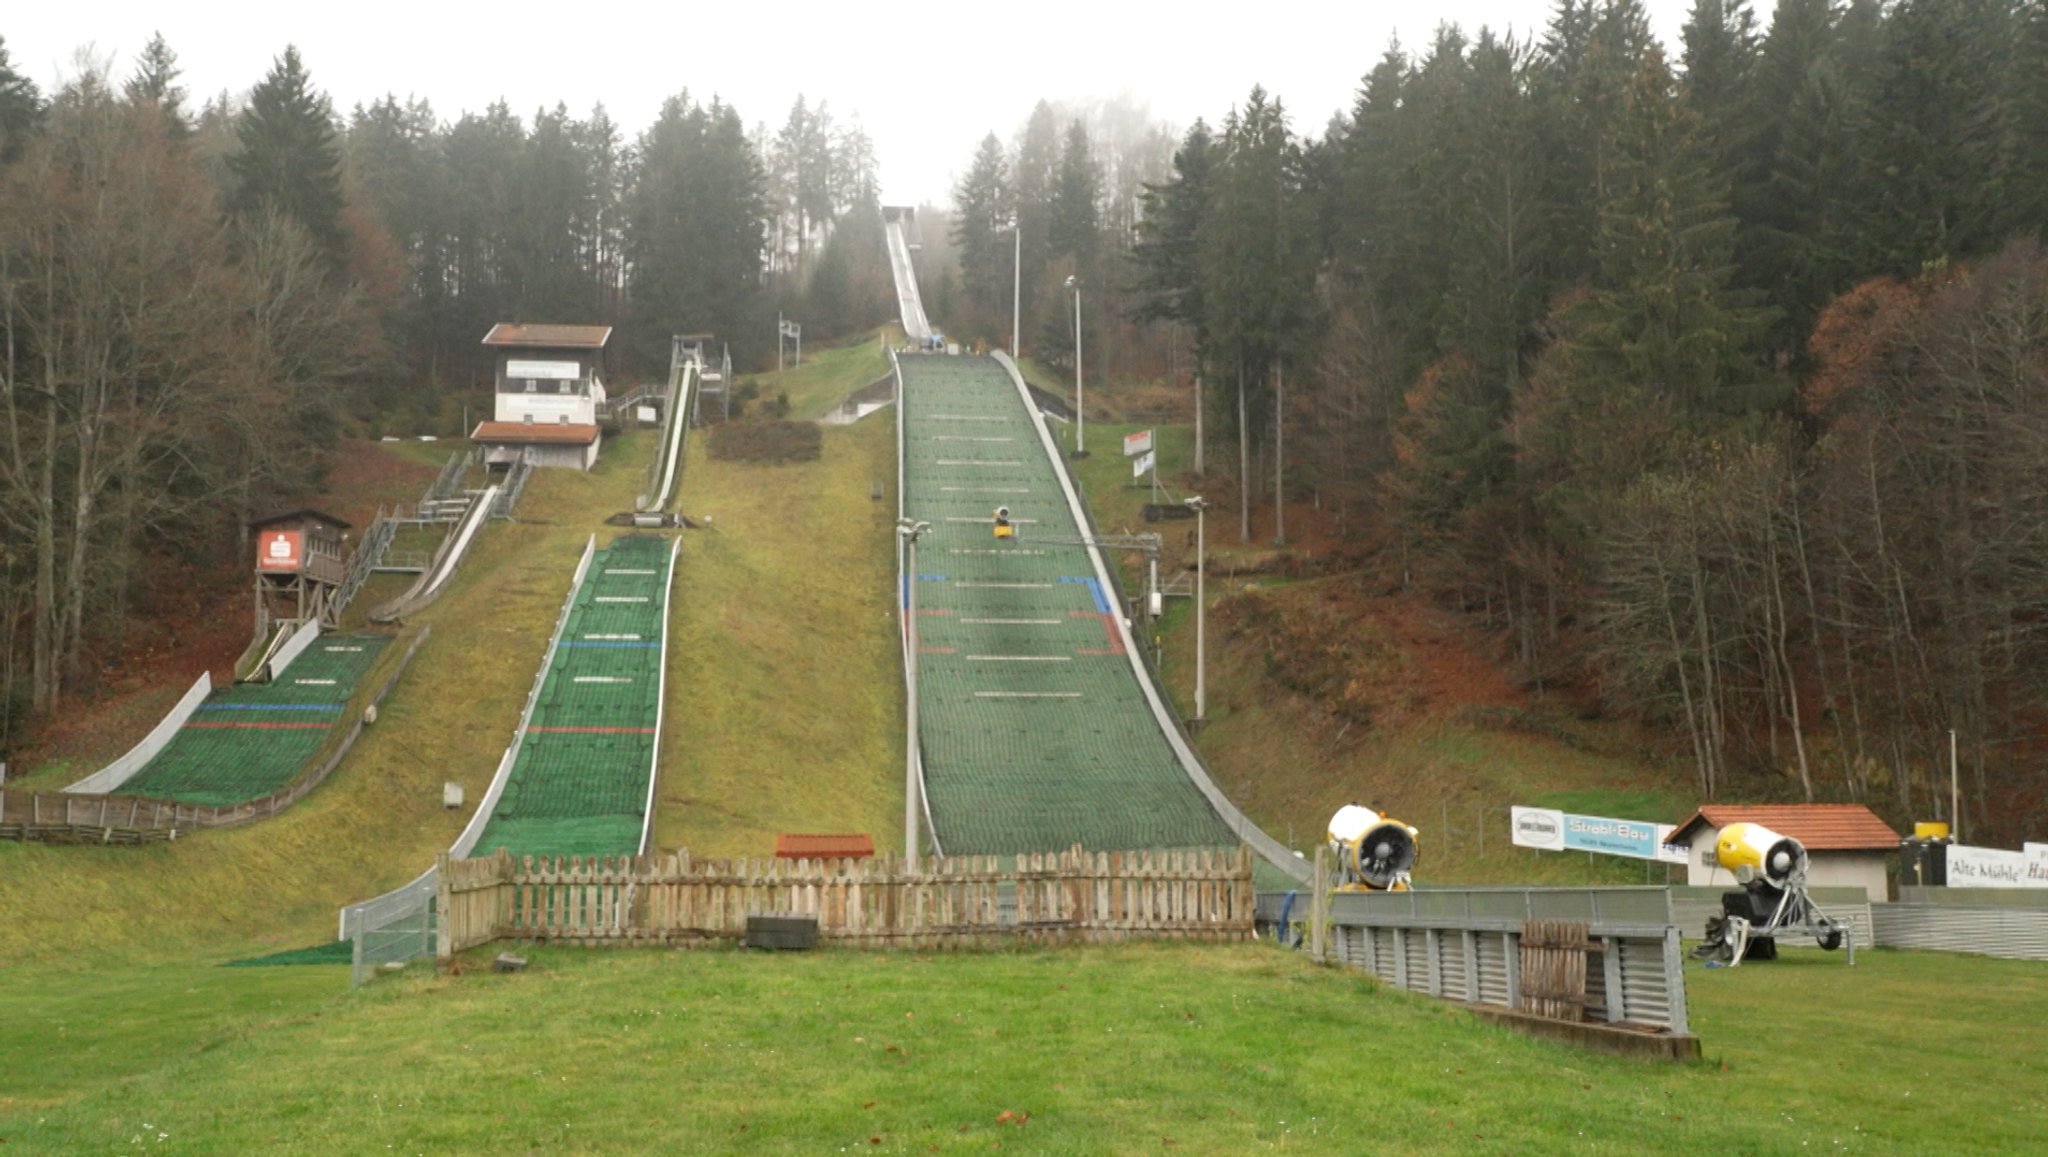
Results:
x,y
926,81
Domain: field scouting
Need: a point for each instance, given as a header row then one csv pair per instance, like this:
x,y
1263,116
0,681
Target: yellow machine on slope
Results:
x,y
1374,852
1772,871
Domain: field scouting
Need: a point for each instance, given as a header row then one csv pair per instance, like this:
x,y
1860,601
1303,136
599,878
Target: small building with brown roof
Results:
x,y
552,377
1846,843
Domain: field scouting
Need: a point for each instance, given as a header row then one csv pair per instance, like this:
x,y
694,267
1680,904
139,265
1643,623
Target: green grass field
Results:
x,y
1137,1049
828,375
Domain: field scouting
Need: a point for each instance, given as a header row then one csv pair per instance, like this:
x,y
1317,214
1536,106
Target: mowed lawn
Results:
x,y
1128,1049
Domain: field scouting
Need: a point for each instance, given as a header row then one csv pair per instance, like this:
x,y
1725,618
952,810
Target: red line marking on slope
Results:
x,y
938,650
934,610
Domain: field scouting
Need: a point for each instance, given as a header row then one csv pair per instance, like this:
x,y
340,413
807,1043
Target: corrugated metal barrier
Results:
x,y
1463,944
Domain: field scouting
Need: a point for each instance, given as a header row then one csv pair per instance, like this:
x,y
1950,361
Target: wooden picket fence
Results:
x,y
943,902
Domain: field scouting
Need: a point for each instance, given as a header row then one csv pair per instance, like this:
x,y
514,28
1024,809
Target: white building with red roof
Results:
x,y
550,386
1846,843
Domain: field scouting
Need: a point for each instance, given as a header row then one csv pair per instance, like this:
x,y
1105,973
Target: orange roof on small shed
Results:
x,y
582,337
1822,827
858,845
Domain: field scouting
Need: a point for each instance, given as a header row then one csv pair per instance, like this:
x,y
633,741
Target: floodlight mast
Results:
x,y
1200,506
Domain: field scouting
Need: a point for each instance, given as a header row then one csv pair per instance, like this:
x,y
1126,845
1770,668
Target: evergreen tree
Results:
x,y
287,159
697,210
155,83
1075,224
1167,255
21,107
982,208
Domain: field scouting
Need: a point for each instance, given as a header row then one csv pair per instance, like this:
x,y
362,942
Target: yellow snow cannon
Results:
x,y
1772,871
1753,851
1002,522
1374,852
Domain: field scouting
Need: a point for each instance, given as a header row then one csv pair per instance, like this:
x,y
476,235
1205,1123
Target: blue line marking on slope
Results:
x,y
1094,592
616,646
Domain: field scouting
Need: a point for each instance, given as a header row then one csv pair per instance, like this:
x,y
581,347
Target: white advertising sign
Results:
x,y
1138,443
551,371
1142,465
1557,831
1970,867
1538,827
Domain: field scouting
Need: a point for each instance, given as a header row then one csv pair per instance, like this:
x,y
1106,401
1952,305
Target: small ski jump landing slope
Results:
x,y
249,740
1039,727
581,774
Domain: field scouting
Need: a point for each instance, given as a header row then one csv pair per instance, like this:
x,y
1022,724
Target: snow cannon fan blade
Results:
x,y
1386,853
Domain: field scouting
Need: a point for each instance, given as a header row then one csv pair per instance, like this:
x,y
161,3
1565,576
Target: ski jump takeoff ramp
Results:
x,y
1039,722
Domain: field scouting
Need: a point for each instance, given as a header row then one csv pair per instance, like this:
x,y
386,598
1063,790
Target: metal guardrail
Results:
x,y
449,480
514,486
369,555
1464,944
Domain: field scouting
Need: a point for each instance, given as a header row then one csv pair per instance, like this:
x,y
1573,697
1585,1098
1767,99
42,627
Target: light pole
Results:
x,y
1200,506
910,532
1080,408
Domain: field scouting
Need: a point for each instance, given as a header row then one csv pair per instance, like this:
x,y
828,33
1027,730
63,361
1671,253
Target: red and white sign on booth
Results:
x,y
278,550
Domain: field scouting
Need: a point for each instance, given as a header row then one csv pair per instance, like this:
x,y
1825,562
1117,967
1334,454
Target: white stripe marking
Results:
x,y
620,570
966,418
980,462
1021,658
966,438
626,638
333,649
1027,694
992,522
984,489
1008,586
315,682
620,599
602,679
1018,622
988,550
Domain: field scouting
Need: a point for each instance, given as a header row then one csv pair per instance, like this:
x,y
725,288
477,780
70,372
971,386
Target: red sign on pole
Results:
x,y
278,550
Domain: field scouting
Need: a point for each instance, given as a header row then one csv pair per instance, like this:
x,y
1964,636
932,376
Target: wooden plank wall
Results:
x,y
945,902
1553,967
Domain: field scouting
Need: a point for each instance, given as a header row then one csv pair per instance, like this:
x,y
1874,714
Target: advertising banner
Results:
x,y
1142,465
278,550
553,371
1138,443
1558,831
1970,867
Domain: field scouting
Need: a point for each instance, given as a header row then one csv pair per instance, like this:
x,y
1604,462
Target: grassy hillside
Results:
x,y
1086,1050
785,692
828,375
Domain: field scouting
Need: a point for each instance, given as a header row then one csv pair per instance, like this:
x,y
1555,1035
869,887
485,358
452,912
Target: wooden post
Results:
x,y
1319,907
444,931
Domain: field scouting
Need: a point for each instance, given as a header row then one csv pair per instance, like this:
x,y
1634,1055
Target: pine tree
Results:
x,y
1169,281
155,83
287,159
981,214
1076,214
21,108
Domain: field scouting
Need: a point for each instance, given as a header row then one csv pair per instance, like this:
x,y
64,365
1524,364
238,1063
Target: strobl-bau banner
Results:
x,y
1559,831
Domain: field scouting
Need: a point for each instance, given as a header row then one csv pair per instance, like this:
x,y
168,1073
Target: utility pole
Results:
x,y
1201,611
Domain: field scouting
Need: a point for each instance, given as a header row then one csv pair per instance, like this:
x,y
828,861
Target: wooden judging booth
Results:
x,y
299,564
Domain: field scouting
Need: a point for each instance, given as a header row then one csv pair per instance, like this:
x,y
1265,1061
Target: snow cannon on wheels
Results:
x,y
1004,529
1374,852
1772,871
